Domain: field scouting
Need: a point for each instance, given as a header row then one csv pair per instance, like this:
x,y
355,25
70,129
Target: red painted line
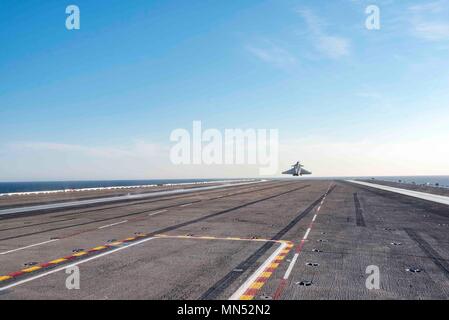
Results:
x,y
16,274
280,289
299,247
43,265
251,292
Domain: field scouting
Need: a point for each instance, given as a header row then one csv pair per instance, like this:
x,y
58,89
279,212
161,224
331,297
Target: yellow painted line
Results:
x,y
266,274
117,243
58,261
208,238
274,265
257,285
130,239
79,254
233,238
279,258
246,297
31,269
3,278
285,251
98,248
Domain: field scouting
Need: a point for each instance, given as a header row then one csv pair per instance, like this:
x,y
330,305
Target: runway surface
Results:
x,y
291,239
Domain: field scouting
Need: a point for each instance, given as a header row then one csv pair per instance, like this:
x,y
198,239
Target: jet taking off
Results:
x,y
297,170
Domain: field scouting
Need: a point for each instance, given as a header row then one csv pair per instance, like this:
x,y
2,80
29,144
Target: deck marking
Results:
x,y
157,212
74,264
290,267
283,282
307,234
30,246
113,224
240,293
186,205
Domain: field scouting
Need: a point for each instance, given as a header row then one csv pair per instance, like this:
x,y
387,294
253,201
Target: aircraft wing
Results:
x,y
291,171
303,171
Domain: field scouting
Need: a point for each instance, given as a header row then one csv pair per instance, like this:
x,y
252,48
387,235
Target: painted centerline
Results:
x,y
113,224
30,246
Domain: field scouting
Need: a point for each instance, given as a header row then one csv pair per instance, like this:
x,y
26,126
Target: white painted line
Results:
x,y
73,264
307,234
113,224
290,266
186,205
157,212
245,286
411,193
319,208
314,218
30,246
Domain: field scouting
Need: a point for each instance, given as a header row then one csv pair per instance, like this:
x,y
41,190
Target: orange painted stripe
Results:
x,y
3,278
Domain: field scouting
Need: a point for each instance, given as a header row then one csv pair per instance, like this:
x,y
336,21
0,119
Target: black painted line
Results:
x,y
360,221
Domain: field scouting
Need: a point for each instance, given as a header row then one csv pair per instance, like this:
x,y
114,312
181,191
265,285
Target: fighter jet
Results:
x,y
297,170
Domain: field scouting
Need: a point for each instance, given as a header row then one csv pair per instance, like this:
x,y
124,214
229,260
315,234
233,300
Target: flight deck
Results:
x,y
265,240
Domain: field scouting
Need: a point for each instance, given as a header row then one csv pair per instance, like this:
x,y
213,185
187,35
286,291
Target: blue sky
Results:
x,y
100,102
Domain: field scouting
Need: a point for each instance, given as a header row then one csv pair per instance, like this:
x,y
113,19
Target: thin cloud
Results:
x,y
429,21
331,46
273,54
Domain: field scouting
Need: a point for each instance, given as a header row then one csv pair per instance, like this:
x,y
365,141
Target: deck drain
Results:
x,y
190,235
396,243
112,240
323,232
305,283
322,240
77,250
317,250
312,264
389,229
266,297
30,264
254,237
414,270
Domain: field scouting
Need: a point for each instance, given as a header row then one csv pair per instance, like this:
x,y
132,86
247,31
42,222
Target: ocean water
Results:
x,y
13,187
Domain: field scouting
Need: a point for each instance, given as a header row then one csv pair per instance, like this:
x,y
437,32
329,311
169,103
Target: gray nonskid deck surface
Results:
x,y
207,244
